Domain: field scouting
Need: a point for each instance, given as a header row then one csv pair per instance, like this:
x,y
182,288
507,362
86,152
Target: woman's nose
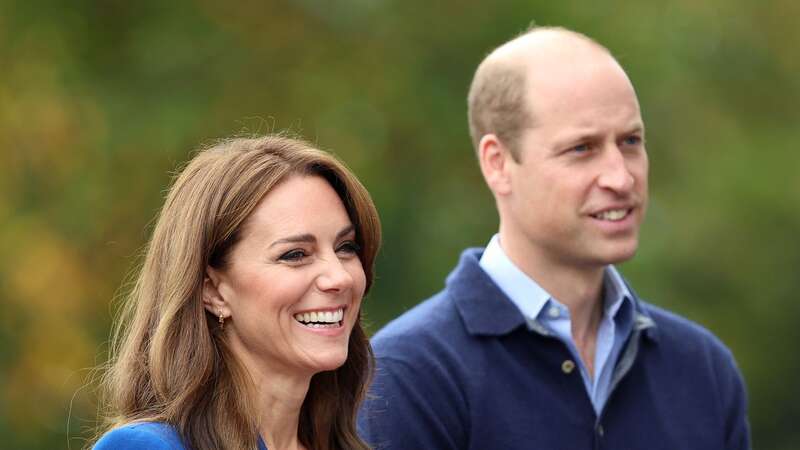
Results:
x,y
334,276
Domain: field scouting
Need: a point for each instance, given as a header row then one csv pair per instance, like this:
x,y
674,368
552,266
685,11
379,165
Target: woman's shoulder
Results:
x,y
141,436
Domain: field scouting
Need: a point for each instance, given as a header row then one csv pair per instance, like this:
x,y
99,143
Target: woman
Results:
x,y
243,328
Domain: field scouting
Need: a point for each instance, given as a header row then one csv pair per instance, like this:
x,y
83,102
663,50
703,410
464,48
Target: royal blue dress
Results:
x,y
146,436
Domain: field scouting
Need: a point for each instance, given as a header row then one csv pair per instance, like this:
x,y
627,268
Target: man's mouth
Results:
x,y
321,319
613,215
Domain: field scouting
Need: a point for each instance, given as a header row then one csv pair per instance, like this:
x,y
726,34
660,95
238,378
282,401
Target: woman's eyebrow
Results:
x,y
309,238
305,238
345,231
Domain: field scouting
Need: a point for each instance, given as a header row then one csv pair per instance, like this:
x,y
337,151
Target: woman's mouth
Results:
x,y
321,318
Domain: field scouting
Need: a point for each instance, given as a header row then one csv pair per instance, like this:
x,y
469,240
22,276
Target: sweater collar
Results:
x,y
483,306
487,311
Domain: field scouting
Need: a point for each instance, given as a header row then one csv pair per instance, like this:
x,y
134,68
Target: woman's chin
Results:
x,y
328,362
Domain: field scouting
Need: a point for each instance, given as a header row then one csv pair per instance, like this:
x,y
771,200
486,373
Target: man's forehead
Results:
x,y
574,70
555,60
546,44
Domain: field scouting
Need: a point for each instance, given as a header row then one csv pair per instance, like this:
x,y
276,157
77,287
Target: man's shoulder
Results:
x,y
692,365
140,436
684,334
428,322
470,305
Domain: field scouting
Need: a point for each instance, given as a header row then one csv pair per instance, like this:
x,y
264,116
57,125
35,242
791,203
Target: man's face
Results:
x,y
579,192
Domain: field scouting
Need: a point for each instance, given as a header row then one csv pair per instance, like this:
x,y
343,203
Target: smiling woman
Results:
x,y
243,328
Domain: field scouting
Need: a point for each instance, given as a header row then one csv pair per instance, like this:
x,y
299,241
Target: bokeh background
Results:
x,y
101,101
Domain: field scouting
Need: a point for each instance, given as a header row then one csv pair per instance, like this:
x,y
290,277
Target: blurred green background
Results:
x,y
100,101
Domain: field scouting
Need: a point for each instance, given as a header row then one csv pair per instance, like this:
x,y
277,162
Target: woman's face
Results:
x,y
293,283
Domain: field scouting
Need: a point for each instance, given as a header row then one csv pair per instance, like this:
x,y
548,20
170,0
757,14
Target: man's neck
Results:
x,y
579,288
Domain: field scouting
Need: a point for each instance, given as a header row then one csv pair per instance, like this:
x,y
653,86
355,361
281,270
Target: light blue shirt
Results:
x,y
548,316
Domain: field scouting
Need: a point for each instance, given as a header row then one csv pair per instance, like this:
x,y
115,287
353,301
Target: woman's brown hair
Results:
x,y
169,362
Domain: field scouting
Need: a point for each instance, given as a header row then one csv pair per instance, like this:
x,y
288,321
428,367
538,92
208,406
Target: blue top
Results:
x,y
539,307
464,371
146,436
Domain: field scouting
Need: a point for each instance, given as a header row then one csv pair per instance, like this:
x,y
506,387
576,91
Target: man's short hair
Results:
x,y
496,104
497,96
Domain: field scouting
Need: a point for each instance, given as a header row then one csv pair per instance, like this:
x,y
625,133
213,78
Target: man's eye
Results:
x,y
293,255
580,148
632,140
349,247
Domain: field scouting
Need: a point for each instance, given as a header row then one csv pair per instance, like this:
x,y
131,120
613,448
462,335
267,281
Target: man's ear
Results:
x,y
213,300
495,160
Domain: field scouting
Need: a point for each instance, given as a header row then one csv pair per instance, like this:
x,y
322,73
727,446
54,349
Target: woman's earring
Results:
x,y
221,321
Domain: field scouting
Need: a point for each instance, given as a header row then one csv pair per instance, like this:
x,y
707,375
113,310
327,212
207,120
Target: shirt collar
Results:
x,y
530,298
487,310
524,293
615,291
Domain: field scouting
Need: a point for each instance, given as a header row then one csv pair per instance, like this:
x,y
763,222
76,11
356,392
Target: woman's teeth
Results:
x,y
321,319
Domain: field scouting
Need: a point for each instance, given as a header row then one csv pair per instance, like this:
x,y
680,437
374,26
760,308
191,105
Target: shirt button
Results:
x,y
567,366
600,431
553,312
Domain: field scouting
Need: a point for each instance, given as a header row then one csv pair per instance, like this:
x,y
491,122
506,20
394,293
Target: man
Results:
x,y
537,342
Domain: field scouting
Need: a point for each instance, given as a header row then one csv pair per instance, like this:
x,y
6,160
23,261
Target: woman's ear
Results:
x,y
213,300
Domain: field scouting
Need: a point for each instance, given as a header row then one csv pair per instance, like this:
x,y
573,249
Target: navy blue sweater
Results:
x,y
463,370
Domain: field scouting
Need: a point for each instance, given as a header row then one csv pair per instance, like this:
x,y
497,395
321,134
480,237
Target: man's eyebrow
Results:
x,y
591,134
636,128
575,138
304,238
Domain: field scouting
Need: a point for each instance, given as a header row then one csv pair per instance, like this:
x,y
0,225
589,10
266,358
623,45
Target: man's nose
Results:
x,y
615,174
334,277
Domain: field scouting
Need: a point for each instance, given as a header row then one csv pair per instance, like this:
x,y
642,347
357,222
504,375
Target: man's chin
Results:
x,y
621,255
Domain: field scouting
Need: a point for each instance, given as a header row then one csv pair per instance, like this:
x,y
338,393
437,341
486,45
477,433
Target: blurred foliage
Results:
x,y
100,101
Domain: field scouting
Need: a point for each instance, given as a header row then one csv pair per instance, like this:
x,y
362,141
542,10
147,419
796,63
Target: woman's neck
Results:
x,y
279,399
279,395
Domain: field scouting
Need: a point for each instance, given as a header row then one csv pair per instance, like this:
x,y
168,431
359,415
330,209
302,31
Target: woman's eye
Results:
x,y
293,255
349,247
